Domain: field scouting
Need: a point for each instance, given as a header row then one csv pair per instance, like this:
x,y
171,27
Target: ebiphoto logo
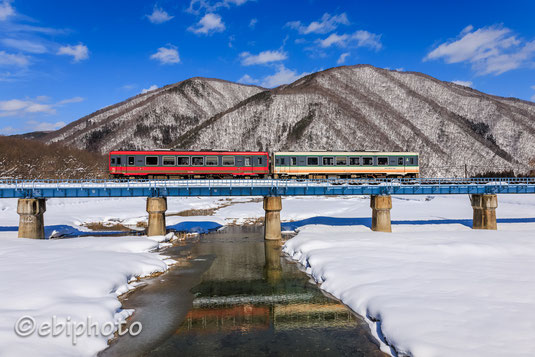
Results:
x,y
27,326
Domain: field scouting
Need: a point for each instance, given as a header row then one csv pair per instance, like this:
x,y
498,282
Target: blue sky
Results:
x,y
61,60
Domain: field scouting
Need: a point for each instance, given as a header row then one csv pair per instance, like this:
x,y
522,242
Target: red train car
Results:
x,y
188,164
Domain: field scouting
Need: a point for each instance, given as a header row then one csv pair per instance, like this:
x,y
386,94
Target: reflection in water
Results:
x,y
272,265
252,301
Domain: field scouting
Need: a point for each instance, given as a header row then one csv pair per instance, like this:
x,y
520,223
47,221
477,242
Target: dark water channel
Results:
x,y
233,294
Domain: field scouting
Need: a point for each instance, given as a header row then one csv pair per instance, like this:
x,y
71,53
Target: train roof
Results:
x,y
356,153
184,152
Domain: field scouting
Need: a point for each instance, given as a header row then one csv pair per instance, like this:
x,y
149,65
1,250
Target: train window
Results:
x,y
168,161
259,161
400,161
211,161
197,160
312,161
247,161
278,161
182,160
113,161
354,161
341,161
228,160
131,161
284,161
367,161
151,160
118,161
328,161
293,161
382,161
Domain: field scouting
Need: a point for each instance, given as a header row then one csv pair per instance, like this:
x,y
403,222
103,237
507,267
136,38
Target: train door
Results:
x,y
239,165
285,165
130,161
248,164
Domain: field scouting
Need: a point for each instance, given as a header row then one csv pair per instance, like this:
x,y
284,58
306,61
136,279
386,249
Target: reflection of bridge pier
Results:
x,y
273,266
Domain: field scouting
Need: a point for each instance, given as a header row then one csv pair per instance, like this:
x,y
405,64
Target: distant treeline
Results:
x,y
30,159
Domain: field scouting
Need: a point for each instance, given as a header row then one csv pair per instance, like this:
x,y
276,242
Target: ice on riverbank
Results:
x,y
455,292
69,278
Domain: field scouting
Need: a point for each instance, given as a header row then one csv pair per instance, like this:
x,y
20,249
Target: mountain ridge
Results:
x,y
348,107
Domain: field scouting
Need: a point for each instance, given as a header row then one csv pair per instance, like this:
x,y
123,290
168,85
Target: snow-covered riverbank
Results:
x,y
71,279
433,289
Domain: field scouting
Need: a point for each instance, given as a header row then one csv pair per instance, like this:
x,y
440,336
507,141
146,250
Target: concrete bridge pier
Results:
x,y
272,222
381,206
156,207
484,211
31,223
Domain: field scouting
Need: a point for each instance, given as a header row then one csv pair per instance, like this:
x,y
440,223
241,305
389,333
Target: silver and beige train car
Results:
x,y
328,164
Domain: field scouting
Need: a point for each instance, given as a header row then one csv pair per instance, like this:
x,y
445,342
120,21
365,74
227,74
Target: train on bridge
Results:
x,y
170,164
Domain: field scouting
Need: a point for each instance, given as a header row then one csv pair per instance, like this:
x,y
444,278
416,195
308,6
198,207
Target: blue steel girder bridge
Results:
x,y
483,191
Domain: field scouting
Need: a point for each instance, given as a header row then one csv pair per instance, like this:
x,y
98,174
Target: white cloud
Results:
x,y
342,58
166,55
12,27
6,10
282,76
129,86
12,105
20,107
40,108
70,100
359,38
10,59
208,24
247,79
253,23
78,52
8,130
24,45
248,59
367,39
152,87
44,126
15,107
327,24
490,50
334,39
196,6
463,83
159,16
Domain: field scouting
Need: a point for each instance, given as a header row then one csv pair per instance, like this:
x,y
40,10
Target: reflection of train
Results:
x,y
227,164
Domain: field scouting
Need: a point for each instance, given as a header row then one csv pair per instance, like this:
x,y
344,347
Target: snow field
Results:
x,y
70,279
433,289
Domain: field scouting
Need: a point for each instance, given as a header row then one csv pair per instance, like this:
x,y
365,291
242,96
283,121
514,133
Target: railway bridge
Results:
x,y
32,195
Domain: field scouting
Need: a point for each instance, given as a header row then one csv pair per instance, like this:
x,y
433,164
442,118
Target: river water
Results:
x,y
233,294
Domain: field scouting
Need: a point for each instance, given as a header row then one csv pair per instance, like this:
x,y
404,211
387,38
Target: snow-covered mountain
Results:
x,y
345,108
154,119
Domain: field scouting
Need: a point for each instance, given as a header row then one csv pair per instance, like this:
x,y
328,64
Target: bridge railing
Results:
x,y
75,183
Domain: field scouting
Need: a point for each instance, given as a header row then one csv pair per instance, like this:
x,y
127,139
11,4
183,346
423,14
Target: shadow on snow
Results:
x,y
366,221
